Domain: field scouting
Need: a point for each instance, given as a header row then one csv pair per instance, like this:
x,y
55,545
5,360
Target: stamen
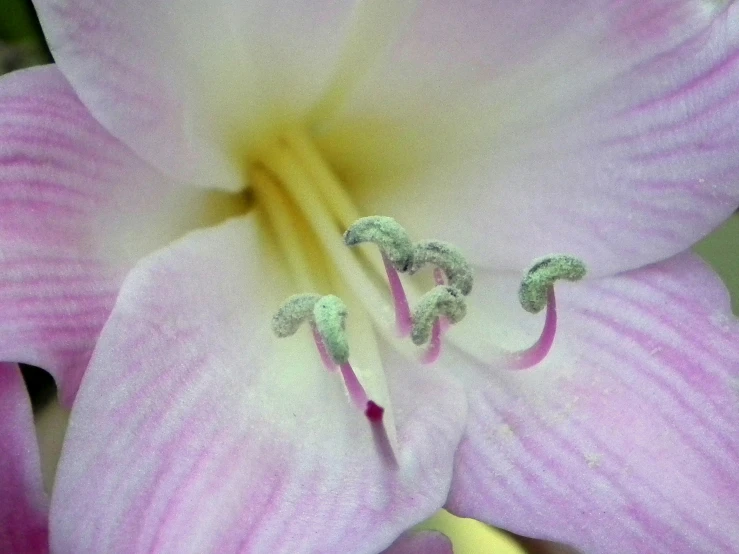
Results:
x,y
440,280
434,349
328,362
439,276
403,322
397,253
536,353
537,291
447,257
440,301
293,313
440,326
539,279
329,314
327,318
292,177
353,386
387,234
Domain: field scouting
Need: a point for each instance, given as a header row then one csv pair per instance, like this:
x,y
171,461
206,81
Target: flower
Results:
x,y
184,169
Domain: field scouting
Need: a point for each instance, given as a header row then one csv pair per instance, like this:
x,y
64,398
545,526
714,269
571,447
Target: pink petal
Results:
x,y
599,128
182,82
196,430
425,542
23,508
77,209
626,438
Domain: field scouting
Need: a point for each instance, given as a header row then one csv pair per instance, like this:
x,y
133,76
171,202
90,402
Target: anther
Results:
x,y
295,311
536,292
327,318
329,314
447,257
444,300
397,252
540,277
387,234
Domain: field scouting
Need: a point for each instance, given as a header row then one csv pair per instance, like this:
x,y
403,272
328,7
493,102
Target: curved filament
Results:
x,y
534,355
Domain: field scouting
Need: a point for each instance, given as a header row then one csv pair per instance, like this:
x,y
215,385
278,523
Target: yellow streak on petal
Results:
x,y
288,185
281,216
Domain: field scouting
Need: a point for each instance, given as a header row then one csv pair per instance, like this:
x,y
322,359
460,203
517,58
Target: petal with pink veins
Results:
x,y
598,128
72,200
24,505
625,439
422,542
197,430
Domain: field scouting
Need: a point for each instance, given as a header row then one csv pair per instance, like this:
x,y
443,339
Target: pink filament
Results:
x,y
328,363
353,386
440,326
402,311
373,411
533,355
434,349
439,276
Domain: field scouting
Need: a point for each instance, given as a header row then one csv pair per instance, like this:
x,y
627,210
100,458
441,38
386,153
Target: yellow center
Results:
x,y
305,209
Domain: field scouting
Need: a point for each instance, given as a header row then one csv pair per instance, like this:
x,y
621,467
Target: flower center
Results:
x,y
315,222
305,208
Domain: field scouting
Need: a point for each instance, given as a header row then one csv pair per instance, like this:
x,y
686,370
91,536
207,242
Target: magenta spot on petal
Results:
x,y
374,412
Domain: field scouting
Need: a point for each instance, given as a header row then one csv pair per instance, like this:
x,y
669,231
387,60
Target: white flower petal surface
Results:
x,y
196,430
625,438
186,82
72,202
603,129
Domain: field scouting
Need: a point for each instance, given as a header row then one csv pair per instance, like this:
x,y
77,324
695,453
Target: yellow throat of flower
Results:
x,y
312,219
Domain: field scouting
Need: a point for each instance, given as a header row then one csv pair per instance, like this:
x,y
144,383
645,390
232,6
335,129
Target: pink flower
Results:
x,y
184,168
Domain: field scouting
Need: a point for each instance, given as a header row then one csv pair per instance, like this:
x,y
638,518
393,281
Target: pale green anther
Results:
x,y
293,312
329,315
442,300
387,234
448,258
541,276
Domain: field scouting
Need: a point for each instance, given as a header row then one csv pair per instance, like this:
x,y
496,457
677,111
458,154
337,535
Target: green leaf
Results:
x,y
721,250
18,22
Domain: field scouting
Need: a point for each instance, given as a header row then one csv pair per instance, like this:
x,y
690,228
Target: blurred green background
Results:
x,y
18,22
21,44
